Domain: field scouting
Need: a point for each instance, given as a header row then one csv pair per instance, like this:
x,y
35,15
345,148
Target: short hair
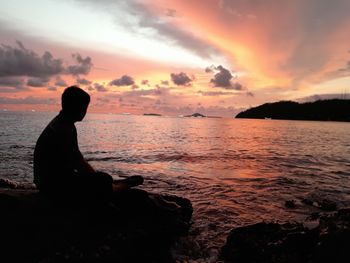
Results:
x,y
74,98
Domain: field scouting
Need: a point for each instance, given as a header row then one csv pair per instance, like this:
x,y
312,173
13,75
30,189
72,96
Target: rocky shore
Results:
x,y
321,238
34,229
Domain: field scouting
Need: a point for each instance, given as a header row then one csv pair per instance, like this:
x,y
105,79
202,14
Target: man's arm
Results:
x,y
84,166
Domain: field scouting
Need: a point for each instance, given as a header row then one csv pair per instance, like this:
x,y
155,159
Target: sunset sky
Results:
x,y
173,57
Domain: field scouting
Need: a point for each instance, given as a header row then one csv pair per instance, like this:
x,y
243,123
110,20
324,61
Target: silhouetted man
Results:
x,y
60,169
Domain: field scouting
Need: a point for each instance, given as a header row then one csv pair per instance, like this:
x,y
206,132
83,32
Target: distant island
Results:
x,y
321,110
151,114
199,115
196,115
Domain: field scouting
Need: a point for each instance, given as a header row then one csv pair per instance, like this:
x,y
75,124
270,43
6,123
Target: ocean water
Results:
x,y
235,171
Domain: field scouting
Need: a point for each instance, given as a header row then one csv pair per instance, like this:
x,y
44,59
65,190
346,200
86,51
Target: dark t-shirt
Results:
x,y
56,154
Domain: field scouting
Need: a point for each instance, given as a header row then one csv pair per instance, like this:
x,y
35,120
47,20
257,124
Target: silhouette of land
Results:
x,y
321,110
196,115
152,114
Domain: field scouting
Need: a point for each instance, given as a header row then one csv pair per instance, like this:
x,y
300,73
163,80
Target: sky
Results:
x,y
173,57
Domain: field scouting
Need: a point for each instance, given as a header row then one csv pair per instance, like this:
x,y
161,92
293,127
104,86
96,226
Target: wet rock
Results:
x,y
4,183
321,203
290,204
291,242
34,229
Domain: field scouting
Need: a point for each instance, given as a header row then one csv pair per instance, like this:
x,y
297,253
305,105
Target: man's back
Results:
x,y
56,154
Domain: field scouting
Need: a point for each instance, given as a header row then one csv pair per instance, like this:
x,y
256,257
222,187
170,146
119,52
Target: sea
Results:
x,y
236,172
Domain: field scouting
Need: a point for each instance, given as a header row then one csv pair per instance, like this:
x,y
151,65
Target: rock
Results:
x,y
320,203
34,229
291,242
4,183
290,204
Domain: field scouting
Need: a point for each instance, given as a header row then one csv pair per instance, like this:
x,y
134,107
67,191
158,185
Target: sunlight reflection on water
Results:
x,y
234,171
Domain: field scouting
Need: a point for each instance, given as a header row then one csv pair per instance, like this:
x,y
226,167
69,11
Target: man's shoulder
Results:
x,y
58,125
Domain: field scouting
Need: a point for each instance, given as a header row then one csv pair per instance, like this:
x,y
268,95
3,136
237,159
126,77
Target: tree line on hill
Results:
x,y
321,110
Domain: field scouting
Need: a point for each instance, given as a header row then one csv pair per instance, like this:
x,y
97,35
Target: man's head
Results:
x,y
75,102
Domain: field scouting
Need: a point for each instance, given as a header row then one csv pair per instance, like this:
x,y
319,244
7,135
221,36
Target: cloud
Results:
x,y
250,94
164,82
144,82
37,82
148,92
216,93
222,78
180,79
170,12
134,86
52,88
83,81
237,86
143,17
209,69
125,80
12,84
100,87
323,97
28,100
19,61
11,81
60,82
82,67
338,73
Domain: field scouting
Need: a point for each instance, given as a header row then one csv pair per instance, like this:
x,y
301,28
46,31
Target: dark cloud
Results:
x,y
164,82
216,93
209,70
60,82
103,100
38,82
83,81
222,78
237,86
180,79
11,81
144,82
158,91
52,88
100,87
12,84
170,12
82,67
134,86
125,80
7,89
28,100
19,61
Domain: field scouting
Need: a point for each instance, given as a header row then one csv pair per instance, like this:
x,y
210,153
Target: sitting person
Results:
x,y
60,170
